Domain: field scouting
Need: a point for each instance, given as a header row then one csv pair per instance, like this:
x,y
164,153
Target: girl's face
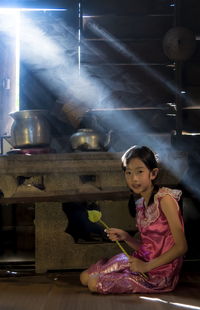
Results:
x,y
138,177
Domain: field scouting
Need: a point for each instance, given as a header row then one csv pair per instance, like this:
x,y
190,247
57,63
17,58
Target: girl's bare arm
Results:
x,y
116,234
133,242
169,207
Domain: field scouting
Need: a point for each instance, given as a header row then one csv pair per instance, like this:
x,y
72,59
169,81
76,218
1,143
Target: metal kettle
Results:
x,y
87,139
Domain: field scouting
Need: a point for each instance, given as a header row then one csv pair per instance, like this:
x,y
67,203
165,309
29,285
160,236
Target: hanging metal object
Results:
x,y
179,43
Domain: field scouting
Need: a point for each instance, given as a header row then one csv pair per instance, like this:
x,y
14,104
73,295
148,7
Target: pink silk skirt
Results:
x,y
115,277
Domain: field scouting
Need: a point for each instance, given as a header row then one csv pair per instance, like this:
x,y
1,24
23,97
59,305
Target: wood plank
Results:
x,y
146,84
134,125
196,56
191,19
63,291
26,294
84,163
125,100
191,120
101,51
126,7
63,197
122,27
192,96
191,74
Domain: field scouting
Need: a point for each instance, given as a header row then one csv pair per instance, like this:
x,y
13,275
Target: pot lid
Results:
x,y
179,43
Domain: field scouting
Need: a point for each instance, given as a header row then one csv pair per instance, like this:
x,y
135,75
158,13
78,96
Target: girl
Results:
x,y
162,243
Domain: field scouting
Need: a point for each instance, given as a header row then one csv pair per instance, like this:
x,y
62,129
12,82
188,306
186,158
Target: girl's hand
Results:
x,y
137,265
115,234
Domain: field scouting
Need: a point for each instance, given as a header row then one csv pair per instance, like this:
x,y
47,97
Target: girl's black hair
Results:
x,y
148,158
143,153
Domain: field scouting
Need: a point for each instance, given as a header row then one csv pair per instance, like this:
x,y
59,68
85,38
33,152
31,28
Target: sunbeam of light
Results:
x,y
62,76
155,143
57,70
14,10
50,57
120,47
184,305
171,303
53,62
17,36
154,299
9,25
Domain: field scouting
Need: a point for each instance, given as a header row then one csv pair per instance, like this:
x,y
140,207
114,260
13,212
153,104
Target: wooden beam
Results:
x,y
104,195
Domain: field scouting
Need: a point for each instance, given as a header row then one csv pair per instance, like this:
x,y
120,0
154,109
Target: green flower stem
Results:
x,y
104,224
120,246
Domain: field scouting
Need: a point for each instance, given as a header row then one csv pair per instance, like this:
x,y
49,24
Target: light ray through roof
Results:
x,y
120,47
47,57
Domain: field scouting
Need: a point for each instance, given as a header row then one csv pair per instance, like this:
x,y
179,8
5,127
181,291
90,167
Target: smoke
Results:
x,y
121,48
55,66
48,48
53,56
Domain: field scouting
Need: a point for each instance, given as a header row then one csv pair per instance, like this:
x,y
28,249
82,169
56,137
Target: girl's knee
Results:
x,y
92,284
84,277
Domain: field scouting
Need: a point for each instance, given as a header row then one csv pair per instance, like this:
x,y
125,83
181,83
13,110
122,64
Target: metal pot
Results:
x,y
30,128
87,139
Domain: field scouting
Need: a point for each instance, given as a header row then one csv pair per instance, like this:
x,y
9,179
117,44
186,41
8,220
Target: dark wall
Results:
x,y
122,48
123,57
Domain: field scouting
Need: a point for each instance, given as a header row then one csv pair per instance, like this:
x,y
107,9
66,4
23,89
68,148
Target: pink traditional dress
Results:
x,y
115,275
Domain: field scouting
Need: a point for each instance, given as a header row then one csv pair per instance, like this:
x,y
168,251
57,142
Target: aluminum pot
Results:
x,y
86,139
30,128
